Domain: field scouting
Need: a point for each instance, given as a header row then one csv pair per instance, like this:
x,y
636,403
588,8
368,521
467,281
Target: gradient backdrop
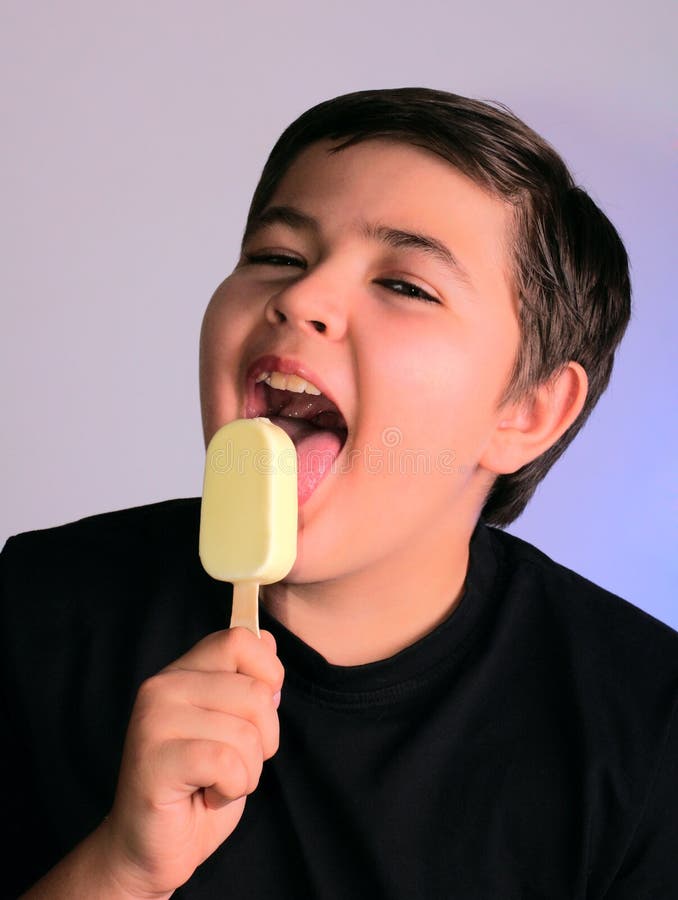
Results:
x,y
133,135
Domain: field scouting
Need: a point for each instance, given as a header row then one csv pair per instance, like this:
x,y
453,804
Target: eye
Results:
x,y
407,289
274,259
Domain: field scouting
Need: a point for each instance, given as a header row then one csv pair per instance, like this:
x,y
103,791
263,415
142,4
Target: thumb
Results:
x,y
269,640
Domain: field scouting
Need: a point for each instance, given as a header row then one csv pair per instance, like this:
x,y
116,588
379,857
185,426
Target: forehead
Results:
x,y
384,170
380,183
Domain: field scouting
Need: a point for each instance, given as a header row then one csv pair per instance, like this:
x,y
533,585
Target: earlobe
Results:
x,y
527,428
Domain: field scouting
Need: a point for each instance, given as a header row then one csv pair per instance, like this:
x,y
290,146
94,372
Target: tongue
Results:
x,y
317,448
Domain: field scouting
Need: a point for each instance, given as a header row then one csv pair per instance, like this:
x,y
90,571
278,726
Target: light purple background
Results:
x,y
133,136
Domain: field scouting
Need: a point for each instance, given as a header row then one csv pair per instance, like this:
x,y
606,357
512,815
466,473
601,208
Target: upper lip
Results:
x,y
287,366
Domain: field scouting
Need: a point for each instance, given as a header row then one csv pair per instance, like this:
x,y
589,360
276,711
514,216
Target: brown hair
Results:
x,y
570,267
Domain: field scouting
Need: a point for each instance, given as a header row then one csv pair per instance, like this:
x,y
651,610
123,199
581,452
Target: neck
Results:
x,y
372,614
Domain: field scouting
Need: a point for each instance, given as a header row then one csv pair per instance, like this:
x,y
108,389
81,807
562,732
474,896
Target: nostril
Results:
x,y
319,326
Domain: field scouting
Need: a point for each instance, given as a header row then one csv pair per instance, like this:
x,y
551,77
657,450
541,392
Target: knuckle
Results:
x,y
152,702
249,737
253,782
272,742
254,766
235,774
149,694
245,783
224,757
158,684
261,693
147,689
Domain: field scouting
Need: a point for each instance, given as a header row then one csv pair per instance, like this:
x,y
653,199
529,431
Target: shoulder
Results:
x,y
118,595
530,569
105,566
117,523
612,647
156,530
603,674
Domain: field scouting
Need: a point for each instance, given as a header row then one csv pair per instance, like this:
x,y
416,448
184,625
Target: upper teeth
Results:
x,y
288,383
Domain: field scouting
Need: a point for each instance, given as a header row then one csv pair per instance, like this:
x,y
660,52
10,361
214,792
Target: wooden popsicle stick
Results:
x,y
245,610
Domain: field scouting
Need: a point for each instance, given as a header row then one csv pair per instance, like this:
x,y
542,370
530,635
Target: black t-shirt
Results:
x,y
522,750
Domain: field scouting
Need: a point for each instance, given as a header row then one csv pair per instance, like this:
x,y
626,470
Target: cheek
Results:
x,y
419,369
212,349
439,385
226,323
222,335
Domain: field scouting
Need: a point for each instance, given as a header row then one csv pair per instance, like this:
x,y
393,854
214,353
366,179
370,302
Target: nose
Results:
x,y
309,306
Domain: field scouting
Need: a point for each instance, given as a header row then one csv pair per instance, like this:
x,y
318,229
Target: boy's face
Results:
x,y
416,381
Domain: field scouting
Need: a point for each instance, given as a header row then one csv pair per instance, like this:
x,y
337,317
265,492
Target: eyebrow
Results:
x,y
393,237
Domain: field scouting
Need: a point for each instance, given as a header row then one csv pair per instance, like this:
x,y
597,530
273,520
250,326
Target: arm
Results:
x,y
84,873
199,733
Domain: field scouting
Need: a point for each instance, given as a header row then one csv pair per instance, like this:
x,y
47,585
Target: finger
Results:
x,y
213,800
244,720
186,766
268,638
208,690
241,696
235,650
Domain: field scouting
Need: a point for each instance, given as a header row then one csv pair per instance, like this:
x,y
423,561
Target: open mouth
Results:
x,y
313,422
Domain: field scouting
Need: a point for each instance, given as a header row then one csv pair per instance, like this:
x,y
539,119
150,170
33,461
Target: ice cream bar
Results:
x,y
248,517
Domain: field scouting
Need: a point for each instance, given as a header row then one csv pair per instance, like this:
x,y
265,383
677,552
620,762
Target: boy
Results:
x,y
430,308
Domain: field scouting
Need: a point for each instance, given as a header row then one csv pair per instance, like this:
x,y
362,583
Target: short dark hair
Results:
x,y
570,267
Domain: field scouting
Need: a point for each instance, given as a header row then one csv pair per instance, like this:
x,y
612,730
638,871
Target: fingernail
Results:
x,y
276,699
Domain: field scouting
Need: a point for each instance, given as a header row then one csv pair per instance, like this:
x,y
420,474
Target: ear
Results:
x,y
528,427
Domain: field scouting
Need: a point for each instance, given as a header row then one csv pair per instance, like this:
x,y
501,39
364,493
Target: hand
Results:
x,y
198,736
